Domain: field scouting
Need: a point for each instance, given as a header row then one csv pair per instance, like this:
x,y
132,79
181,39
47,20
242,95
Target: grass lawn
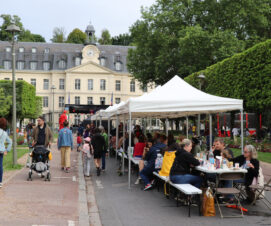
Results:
x,y
8,159
262,156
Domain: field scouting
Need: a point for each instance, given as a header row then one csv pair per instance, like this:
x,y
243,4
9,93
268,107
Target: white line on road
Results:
x,y
71,223
74,178
62,177
99,184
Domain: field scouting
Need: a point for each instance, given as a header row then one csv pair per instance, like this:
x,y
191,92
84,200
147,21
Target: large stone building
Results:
x,y
66,73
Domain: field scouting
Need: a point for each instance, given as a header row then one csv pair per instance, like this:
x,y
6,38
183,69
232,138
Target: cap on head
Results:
x,y
87,139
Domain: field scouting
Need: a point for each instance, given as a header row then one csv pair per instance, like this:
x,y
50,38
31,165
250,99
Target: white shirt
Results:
x,y
235,131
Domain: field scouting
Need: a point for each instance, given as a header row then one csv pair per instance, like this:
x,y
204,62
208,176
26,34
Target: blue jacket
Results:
x,y
152,155
65,138
3,139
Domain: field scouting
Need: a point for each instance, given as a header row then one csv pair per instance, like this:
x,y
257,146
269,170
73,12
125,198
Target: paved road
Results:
x,y
119,206
38,202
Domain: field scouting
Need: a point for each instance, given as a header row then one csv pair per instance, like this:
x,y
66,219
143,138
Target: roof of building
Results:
x,y
54,52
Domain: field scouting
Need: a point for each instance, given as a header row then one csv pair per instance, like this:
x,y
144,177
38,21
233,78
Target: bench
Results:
x,y
186,189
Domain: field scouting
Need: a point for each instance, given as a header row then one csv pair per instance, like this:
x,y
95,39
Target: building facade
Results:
x,y
66,73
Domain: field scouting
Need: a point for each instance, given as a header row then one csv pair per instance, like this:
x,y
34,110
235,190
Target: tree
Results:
x,y
23,36
105,38
76,36
122,40
59,35
6,103
184,36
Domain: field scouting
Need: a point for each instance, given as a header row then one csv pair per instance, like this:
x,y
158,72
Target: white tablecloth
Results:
x,y
219,171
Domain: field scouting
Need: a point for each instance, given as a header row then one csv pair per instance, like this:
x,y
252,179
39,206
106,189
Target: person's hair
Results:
x,y
66,123
170,139
97,130
150,140
149,136
162,138
251,149
3,123
220,140
226,154
185,142
141,138
42,118
101,128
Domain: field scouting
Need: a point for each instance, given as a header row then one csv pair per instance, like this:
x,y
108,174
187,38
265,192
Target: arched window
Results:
x,y
102,61
118,66
132,86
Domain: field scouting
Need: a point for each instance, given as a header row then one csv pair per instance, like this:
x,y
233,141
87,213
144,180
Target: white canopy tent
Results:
x,y
176,99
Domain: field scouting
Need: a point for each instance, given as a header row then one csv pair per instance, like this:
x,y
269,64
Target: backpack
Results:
x,y
168,160
259,181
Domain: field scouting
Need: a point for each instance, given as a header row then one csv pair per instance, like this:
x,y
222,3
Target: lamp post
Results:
x,y
201,78
53,87
13,29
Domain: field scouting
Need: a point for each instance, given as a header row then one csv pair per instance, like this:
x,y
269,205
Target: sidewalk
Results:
x,y
39,202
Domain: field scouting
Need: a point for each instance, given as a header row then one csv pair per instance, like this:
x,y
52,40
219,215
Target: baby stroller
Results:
x,y
40,162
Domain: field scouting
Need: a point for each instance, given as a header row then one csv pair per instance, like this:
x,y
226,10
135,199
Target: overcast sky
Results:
x,y
41,16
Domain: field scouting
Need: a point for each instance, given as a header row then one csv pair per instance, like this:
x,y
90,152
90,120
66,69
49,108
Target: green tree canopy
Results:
x,y
24,36
6,103
59,35
122,40
105,38
76,36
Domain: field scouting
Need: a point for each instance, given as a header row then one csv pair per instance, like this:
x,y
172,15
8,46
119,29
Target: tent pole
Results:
x,y
187,127
167,127
96,122
117,136
100,122
198,127
108,134
123,145
210,131
242,131
129,150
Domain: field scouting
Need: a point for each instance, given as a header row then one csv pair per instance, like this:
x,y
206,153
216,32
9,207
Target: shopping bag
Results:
x,y
208,204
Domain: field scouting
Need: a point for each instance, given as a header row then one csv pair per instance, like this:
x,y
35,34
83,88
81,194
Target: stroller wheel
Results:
x,y
29,176
48,177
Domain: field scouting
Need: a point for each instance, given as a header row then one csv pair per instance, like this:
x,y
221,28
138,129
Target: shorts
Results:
x,y
97,155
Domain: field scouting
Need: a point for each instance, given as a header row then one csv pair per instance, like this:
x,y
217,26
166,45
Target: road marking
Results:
x,y
99,184
61,177
74,178
71,223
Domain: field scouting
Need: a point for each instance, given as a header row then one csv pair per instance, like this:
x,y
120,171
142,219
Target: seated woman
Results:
x,y
250,162
180,172
139,146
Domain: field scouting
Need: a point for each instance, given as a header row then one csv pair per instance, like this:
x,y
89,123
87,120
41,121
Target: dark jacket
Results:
x,y
182,163
251,173
48,135
151,155
98,143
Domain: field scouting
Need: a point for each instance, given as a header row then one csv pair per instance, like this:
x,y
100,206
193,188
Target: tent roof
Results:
x,y
177,98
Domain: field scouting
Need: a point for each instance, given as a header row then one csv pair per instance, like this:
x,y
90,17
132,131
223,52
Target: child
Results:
x,y
79,141
86,156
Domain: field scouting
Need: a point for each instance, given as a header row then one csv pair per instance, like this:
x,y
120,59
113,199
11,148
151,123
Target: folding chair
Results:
x,y
259,193
229,191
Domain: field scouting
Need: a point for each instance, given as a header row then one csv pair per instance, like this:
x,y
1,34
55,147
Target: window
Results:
x,y
6,79
46,66
118,85
77,61
117,100
21,79
102,84
33,82
77,100
20,65
102,61
34,50
77,84
33,65
132,86
102,100
145,88
61,64
8,49
61,102
62,83
7,64
90,84
47,50
118,66
21,50
46,84
77,119
45,102
90,100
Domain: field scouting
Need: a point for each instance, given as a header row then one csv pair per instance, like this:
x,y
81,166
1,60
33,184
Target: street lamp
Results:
x,y
13,29
201,78
53,87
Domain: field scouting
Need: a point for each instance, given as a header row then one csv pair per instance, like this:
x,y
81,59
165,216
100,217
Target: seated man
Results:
x,y
219,146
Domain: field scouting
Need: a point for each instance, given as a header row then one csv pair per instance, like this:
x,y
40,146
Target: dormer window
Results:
x,y
20,65
34,50
47,50
77,61
118,66
8,49
62,64
102,61
21,49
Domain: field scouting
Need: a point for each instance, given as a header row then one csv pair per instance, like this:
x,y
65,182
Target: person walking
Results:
x,y
42,135
86,156
104,154
4,138
65,145
98,146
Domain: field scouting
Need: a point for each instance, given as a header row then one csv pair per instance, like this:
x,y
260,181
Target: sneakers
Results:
x,y
67,170
98,171
147,187
138,180
1,185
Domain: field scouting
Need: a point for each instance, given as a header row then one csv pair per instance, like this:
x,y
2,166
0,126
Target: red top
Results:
x,y
62,119
138,149
79,140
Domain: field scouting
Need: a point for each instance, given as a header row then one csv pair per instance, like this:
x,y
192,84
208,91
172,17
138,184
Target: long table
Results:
x,y
219,171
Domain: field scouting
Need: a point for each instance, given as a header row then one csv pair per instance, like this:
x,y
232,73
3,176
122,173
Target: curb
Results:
x,y
83,205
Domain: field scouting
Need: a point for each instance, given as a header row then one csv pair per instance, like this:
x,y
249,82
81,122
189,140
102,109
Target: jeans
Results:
x,y
146,174
1,167
86,165
187,179
103,160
